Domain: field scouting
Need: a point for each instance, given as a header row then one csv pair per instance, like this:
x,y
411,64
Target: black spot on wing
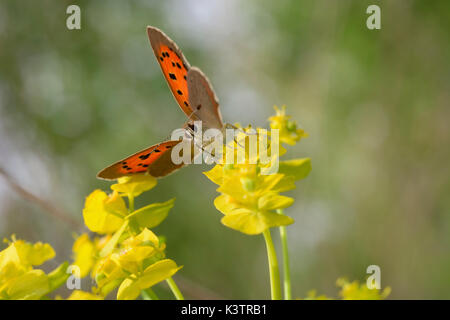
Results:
x,y
172,76
144,156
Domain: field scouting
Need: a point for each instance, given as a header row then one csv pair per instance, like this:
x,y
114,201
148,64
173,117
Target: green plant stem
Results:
x,y
149,294
130,203
134,227
275,287
286,269
173,286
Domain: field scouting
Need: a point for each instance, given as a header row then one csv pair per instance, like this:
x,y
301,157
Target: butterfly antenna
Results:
x,y
228,126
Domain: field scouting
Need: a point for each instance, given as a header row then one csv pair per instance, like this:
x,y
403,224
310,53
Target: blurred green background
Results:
x,y
374,102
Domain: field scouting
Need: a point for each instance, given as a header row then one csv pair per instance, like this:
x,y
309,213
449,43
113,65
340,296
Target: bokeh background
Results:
x,y
374,102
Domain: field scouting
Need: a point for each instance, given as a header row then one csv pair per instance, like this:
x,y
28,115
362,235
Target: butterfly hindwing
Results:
x,y
174,66
155,160
203,99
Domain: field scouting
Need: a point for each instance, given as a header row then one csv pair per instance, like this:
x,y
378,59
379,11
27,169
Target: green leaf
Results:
x,y
157,272
109,247
152,215
58,276
297,168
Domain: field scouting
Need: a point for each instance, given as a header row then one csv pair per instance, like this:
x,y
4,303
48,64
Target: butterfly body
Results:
x,y
196,98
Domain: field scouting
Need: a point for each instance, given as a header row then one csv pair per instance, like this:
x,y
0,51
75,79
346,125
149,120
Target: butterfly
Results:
x,y
194,94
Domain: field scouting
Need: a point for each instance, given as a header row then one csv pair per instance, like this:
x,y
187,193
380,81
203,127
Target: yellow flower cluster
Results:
x,y
18,277
128,256
353,291
289,132
356,291
250,200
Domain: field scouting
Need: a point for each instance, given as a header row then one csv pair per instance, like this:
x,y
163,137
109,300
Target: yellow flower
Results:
x,y
25,255
83,295
139,251
289,133
134,266
133,186
157,272
84,251
250,200
353,291
30,285
18,279
294,169
103,213
356,291
312,295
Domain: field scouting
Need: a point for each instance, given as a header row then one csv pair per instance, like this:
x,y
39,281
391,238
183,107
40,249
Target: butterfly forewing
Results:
x,y
196,97
203,99
154,160
173,65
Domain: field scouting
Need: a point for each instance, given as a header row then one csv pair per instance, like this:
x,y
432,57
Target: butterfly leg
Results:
x,y
231,126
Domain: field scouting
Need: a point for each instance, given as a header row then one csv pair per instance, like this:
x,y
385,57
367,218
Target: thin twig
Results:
x,y
45,205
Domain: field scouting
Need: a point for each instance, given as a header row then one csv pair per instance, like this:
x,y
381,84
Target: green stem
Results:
x,y
149,294
130,203
134,226
286,268
275,287
173,286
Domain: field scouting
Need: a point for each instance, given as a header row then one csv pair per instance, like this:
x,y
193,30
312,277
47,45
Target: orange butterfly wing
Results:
x,y
155,160
174,66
